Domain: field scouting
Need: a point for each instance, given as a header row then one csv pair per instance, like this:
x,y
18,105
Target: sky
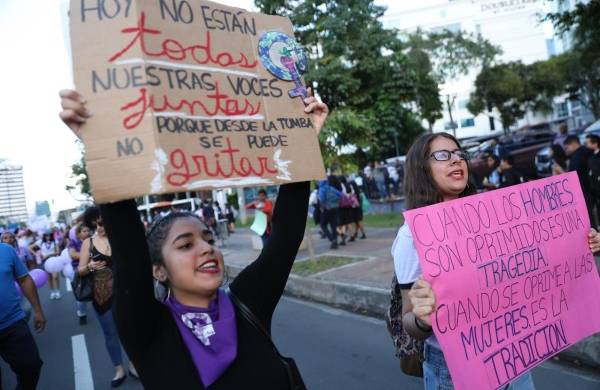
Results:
x,y
36,66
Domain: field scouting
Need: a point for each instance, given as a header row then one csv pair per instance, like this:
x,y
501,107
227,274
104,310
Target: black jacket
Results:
x,y
147,329
578,162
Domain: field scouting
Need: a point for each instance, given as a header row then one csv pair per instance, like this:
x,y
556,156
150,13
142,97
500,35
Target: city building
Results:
x,y
42,208
13,208
514,25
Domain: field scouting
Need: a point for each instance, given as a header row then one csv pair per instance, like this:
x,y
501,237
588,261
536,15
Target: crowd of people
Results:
x,y
89,253
337,206
159,291
380,180
568,155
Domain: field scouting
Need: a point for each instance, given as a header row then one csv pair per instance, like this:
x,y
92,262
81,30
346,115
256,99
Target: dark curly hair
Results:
x,y
90,216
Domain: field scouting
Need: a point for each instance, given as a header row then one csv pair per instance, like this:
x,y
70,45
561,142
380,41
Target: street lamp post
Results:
x,y
449,103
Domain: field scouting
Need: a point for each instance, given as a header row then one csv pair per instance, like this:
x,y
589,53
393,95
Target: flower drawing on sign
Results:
x,y
282,56
201,326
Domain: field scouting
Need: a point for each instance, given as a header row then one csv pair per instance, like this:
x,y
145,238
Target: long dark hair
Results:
x,y
419,188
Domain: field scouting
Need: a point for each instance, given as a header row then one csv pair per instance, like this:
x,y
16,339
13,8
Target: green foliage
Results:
x,y
454,53
581,73
361,71
388,220
581,66
378,85
79,173
322,263
514,88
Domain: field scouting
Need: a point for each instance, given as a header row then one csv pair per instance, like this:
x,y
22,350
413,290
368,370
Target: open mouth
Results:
x,y
209,267
457,174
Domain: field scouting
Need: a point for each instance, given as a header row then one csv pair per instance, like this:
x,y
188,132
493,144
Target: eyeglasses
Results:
x,y
445,155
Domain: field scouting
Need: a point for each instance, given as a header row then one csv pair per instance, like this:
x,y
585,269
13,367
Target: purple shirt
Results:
x,y
24,254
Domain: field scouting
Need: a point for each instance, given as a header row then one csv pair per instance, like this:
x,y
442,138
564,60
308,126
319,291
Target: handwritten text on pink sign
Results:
x,y
514,278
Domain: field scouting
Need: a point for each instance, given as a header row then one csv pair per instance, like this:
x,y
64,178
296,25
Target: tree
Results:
x,y
79,173
581,65
449,55
501,87
513,89
454,53
361,70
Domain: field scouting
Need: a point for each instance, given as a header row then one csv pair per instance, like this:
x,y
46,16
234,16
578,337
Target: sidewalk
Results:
x,y
363,286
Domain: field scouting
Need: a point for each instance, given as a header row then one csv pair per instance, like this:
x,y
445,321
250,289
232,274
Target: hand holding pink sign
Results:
x,y
512,274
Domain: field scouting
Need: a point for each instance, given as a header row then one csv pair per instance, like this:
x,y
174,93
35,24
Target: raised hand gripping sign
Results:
x,y
189,94
514,278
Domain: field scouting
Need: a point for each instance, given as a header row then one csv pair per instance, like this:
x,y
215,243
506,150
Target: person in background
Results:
x,y
357,211
559,159
400,171
96,259
381,176
25,238
509,176
346,217
496,148
26,258
266,206
230,215
436,171
82,232
592,142
47,249
492,180
17,345
23,253
329,199
59,238
209,216
314,209
578,162
563,132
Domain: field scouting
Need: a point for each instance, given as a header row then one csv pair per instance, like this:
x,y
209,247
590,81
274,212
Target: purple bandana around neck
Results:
x,y
210,335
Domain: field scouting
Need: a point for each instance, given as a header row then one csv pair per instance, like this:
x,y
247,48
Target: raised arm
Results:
x,y
136,311
260,285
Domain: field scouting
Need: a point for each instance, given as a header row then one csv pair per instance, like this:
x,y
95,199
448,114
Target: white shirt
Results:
x,y
48,248
406,265
406,260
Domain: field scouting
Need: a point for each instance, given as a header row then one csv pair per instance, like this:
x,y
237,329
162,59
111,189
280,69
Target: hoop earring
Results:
x,y
161,293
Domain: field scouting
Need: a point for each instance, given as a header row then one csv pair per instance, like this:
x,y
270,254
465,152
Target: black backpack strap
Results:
x,y
294,378
250,317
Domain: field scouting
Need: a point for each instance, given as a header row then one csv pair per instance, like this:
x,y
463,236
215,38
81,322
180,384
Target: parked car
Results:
x,y
543,158
523,145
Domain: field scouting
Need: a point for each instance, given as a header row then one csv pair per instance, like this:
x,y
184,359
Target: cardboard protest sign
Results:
x,y
189,94
514,279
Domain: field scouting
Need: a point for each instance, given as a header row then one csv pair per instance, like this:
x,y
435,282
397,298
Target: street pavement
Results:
x,y
334,349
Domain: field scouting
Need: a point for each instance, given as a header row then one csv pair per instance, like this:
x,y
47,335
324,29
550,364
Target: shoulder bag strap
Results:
x,y
288,363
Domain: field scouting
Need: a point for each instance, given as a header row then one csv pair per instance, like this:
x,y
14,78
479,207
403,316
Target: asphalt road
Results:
x,y
333,349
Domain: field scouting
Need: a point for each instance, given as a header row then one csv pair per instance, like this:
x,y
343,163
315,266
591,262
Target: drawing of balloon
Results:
x,y
283,57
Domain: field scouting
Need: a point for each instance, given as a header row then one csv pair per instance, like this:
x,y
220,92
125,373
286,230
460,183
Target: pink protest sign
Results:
x,y
514,278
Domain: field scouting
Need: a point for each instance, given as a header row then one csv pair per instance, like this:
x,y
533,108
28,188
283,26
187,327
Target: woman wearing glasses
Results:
x,y
96,260
436,171
178,325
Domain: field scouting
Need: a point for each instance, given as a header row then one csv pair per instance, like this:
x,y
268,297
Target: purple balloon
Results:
x,y
39,277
